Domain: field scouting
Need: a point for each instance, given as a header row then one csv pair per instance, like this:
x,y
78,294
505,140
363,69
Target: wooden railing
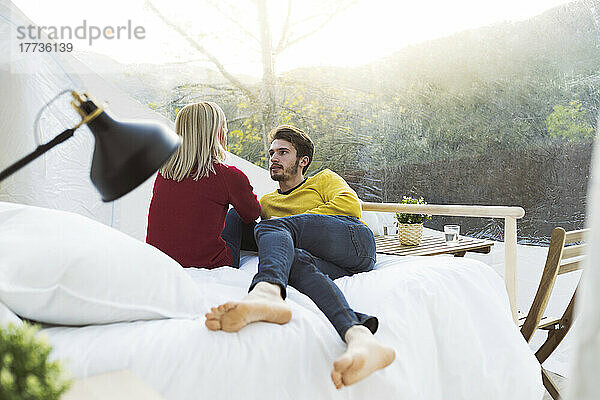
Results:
x,y
510,215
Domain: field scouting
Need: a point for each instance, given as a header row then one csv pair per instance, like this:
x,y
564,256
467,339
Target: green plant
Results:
x,y
569,122
25,371
404,218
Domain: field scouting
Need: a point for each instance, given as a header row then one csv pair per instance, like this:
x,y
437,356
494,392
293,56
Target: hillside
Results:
x,y
563,42
514,104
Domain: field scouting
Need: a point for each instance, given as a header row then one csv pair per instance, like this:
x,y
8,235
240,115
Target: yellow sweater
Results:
x,y
325,193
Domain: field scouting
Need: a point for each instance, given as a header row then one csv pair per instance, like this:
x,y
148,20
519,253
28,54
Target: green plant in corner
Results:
x,y
404,218
25,371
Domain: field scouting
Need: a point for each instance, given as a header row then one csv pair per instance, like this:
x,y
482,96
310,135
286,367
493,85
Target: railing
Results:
x,y
510,215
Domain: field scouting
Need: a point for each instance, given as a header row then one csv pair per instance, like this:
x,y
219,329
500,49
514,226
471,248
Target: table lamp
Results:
x,y
125,153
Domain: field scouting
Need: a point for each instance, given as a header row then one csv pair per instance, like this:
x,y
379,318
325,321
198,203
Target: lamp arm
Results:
x,y
41,149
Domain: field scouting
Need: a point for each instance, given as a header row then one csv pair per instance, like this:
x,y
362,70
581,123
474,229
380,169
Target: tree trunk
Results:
x,y
267,94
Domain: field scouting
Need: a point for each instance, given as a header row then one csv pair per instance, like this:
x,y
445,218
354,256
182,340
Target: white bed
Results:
x,y
447,318
116,303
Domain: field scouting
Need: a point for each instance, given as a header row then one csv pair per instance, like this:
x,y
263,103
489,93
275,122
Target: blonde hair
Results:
x,y
202,127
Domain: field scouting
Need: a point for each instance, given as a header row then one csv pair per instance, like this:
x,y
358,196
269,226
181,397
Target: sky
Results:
x,y
366,31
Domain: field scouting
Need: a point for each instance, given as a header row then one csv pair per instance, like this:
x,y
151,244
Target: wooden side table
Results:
x,y
432,244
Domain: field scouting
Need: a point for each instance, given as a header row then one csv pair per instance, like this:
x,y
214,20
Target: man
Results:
x,y
310,233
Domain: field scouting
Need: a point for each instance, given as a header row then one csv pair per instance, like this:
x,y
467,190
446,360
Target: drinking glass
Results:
x,y
451,233
390,228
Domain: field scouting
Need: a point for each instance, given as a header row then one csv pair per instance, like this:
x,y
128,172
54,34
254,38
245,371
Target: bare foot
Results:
x,y
363,356
263,303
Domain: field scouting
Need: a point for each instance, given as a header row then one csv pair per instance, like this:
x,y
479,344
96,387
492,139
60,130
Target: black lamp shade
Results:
x,y
127,153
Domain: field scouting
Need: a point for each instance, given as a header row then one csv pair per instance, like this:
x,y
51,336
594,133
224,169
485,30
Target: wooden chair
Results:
x,y
561,259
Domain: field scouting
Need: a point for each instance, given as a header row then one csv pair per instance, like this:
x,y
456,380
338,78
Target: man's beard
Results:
x,y
286,173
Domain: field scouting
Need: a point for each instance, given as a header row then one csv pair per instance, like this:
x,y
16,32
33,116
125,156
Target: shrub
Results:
x,y
25,372
404,218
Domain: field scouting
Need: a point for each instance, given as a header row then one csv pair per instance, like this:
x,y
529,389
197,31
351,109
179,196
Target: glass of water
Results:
x,y
451,233
390,228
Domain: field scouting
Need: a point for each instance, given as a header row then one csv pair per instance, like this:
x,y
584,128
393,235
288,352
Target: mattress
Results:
x,y
447,318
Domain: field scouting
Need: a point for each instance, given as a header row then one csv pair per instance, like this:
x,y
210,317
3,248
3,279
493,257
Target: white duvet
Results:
x,y
447,318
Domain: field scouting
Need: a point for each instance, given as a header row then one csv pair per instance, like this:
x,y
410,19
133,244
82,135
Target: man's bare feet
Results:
x,y
263,303
363,356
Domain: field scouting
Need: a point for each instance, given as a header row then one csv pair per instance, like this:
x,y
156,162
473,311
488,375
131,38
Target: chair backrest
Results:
x,y
563,256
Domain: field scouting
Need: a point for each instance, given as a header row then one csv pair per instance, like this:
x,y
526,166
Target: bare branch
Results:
x,y
207,85
286,28
236,22
233,121
330,16
208,54
310,18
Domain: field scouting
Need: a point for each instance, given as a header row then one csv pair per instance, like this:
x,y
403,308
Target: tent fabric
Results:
x,y
60,178
586,359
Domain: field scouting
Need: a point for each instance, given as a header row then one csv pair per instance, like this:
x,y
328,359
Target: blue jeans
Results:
x,y
238,235
308,251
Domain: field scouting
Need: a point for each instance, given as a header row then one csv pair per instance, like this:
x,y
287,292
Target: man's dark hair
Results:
x,y
300,140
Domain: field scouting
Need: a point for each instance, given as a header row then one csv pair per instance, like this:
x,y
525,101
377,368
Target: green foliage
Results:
x,y
244,143
245,139
333,125
404,218
25,372
569,122
420,105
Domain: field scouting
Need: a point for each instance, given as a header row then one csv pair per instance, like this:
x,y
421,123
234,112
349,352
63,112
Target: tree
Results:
x,y
264,96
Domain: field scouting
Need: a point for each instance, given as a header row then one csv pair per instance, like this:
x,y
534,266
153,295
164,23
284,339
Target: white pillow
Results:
x,y
61,268
8,317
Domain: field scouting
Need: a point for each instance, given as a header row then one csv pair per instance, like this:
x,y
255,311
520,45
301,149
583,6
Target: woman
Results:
x,y
194,189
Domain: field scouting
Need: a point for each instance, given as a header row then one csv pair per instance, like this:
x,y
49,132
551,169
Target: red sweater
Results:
x,y
186,218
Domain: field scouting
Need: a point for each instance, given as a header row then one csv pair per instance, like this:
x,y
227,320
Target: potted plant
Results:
x,y
25,371
410,226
